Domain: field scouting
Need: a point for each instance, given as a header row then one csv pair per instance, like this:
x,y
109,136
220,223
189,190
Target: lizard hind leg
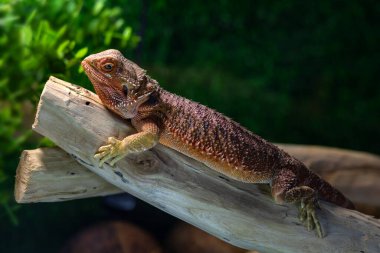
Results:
x,y
307,201
285,189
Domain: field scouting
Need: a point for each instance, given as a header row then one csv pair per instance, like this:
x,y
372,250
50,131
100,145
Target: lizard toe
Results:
x,y
116,159
308,216
112,140
104,159
100,155
104,148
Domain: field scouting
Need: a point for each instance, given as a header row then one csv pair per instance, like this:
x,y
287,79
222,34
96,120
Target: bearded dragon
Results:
x,y
201,133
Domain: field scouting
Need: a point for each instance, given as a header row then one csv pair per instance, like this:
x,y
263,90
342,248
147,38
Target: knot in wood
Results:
x,y
146,163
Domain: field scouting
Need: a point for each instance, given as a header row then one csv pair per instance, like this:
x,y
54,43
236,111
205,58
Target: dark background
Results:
x,y
291,71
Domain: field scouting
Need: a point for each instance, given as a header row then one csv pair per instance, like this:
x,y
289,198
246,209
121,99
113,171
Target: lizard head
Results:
x,y
121,84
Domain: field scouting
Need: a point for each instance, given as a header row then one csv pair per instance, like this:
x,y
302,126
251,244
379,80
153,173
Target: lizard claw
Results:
x,y
308,216
112,140
104,148
113,151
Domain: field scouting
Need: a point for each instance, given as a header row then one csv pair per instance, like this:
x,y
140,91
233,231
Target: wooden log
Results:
x,y
232,211
50,174
355,173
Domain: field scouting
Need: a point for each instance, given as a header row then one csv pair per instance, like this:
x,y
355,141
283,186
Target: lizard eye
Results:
x,y
108,67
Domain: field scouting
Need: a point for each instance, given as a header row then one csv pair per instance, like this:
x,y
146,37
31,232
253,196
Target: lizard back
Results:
x,y
218,141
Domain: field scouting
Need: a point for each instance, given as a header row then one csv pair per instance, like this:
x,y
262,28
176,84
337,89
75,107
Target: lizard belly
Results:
x,y
235,172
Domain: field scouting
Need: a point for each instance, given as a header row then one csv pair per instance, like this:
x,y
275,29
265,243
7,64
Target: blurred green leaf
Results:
x,y
8,20
26,35
108,38
61,50
31,16
81,53
127,33
5,7
80,69
61,31
99,5
118,24
3,39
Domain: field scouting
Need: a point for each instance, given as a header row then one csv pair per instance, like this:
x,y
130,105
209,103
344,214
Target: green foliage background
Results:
x,y
292,71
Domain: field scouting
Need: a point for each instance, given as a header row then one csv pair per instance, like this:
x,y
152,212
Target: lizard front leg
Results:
x,y
135,143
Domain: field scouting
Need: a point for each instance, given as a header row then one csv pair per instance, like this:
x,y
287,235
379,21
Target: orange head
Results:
x,y
121,84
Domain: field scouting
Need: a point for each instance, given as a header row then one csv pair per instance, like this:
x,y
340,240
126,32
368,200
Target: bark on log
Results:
x,y
233,211
356,174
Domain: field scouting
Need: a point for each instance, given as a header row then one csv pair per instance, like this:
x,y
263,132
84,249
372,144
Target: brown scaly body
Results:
x,y
201,133
224,145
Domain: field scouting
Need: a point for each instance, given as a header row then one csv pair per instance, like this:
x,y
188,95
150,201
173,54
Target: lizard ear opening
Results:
x,y
143,80
125,89
152,98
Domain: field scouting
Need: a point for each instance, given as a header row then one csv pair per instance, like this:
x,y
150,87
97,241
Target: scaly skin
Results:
x,y
202,133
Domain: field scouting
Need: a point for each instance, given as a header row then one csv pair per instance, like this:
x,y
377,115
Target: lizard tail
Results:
x,y
328,193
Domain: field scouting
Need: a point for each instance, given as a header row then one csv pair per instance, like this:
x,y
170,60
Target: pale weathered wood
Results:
x,y
233,211
50,174
356,174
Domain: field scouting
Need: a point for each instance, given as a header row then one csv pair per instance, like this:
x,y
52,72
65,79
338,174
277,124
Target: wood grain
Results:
x,y
50,174
356,174
233,211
